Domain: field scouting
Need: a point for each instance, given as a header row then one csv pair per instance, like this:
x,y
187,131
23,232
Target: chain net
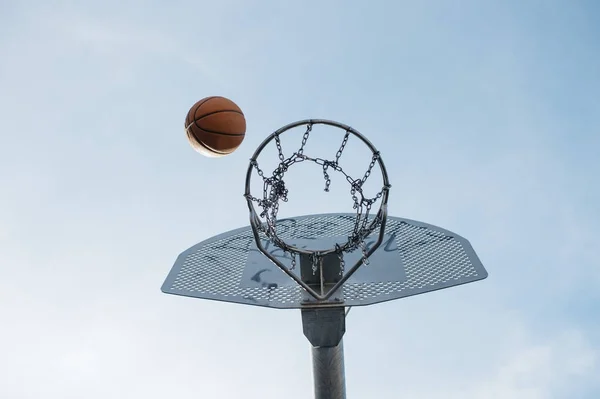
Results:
x,y
274,191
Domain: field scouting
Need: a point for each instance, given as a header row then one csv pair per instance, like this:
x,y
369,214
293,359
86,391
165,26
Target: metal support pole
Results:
x,y
328,372
324,328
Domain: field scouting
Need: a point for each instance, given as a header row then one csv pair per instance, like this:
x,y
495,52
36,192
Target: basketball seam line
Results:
x,y
214,132
199,105
219,111
208,148
192,115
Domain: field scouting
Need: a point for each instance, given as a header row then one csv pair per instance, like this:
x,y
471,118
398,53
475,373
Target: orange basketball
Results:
x,y
215,126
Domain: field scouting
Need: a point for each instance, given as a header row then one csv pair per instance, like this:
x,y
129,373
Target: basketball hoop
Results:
x,y
242,266
274,191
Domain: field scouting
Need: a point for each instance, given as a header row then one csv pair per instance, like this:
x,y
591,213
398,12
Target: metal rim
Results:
x,y
254,216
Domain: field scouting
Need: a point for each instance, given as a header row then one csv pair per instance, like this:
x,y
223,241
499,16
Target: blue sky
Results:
x,y
488,118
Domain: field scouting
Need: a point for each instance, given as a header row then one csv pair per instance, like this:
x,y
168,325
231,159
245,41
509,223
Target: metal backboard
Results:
x,y
414,258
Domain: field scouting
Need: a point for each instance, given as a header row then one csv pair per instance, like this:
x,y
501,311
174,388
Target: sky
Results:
x,y
487,115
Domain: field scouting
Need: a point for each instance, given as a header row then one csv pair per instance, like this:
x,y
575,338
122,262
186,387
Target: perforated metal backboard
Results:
x,y
414,258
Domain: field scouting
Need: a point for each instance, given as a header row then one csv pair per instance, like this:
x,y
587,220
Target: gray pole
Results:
x,y
324,329
328,372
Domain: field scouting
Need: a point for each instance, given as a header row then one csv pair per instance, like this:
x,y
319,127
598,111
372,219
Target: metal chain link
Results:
x,y
279,149
363,249
305,138
344,142
340,254
315,263
373,161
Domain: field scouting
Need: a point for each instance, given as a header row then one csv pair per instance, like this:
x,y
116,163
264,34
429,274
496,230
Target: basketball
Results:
x,y
215,126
